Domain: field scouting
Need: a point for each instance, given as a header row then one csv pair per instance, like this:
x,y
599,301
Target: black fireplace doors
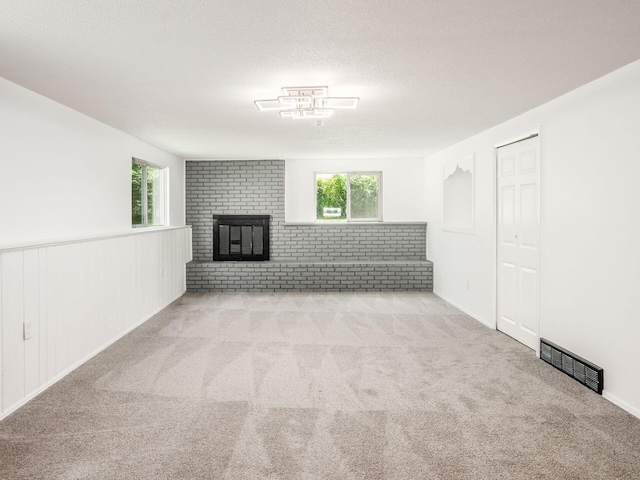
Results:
x,y
240,237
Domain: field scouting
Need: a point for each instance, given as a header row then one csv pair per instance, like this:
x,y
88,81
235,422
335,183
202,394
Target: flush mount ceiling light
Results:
x,y
306,102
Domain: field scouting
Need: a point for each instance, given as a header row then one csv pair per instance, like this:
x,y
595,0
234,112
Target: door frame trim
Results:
x,y
533,135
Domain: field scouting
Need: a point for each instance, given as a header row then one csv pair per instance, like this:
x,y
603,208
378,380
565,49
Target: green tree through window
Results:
x,y
331,193
348,196
147,194
363,196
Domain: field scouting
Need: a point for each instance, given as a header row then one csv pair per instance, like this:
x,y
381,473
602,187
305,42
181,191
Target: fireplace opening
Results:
x,y
240,237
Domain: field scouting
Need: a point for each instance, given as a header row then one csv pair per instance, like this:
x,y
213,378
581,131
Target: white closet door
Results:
x,y
519,241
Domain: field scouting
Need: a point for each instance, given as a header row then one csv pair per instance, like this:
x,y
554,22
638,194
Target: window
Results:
x,y
148,194
349,196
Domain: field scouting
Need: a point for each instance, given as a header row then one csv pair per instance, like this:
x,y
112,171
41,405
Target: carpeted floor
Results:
x,y
318,386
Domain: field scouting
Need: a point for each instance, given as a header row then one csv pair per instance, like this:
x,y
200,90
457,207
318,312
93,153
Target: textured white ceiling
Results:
x,y
183,74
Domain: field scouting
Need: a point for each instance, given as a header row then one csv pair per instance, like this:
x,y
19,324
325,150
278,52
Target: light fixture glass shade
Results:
x,y
296,101
339,102
266,105
318,113
309,91
291,114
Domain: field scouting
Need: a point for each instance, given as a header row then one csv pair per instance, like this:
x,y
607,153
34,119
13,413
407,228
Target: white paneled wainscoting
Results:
x,y
61,303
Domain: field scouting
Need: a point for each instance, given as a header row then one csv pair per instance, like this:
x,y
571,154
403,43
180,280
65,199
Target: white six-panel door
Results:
x,y
519,241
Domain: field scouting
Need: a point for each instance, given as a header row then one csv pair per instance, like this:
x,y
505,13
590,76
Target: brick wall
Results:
x,y
318,277
233,188
382,242
257,187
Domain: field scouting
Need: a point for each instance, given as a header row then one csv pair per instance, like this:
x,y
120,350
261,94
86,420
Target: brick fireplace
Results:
x,y
319,257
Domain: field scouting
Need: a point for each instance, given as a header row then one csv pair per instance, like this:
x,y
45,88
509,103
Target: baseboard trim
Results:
x,y
461,308
70,369
621,403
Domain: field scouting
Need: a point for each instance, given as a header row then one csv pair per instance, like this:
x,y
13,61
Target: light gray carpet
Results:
x,y
318,386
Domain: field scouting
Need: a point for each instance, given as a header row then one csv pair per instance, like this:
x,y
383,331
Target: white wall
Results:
x,y
402,192
590,211
65,175
80,297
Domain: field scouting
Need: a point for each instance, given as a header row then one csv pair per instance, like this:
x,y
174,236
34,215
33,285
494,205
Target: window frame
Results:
x,y
164,197
348,174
